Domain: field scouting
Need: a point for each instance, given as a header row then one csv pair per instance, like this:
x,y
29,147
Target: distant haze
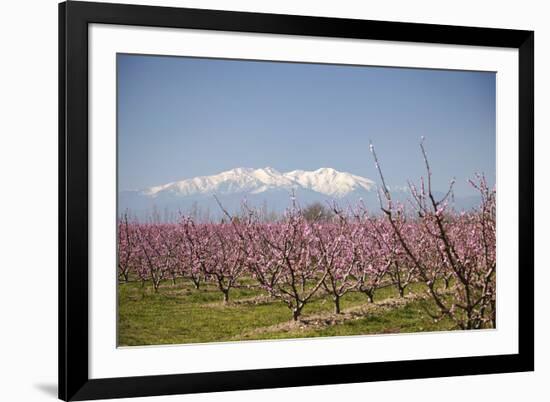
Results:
x,y
183,118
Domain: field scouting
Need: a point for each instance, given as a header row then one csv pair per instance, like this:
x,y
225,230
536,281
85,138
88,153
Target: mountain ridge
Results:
x,y
326,181
265,188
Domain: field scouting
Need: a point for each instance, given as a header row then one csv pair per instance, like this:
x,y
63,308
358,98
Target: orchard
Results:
x,y
298,257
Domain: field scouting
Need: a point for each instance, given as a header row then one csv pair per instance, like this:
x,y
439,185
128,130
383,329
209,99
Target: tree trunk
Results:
x,y
225,296
336,304
296,313
401,291
370,296
156,283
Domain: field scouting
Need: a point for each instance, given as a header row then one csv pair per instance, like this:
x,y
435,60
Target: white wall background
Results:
x,y
28,197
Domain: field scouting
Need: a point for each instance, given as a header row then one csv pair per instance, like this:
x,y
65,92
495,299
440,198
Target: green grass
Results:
x,y
406,319
181,314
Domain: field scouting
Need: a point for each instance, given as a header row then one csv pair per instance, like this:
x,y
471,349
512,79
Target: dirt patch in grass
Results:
x,y
247,301
320,321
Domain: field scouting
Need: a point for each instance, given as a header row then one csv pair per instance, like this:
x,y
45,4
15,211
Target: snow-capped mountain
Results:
x,y
264,188
325,181
330,182
261,187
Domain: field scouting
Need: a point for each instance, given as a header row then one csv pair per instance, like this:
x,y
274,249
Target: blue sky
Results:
x,y
183,117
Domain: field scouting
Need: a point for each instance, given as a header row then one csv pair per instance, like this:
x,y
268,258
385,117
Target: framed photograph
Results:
x,y
257,200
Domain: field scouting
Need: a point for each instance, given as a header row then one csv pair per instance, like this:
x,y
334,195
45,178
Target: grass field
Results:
x,y
180,314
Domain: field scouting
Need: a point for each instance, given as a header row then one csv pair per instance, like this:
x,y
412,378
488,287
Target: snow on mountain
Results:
x,y
261,188
264,188
330,182
326,181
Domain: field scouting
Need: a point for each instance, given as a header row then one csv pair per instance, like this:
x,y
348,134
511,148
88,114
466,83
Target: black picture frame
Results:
x,y
74,381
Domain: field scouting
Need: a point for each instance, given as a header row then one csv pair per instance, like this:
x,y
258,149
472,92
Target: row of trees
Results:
x,y
302,254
